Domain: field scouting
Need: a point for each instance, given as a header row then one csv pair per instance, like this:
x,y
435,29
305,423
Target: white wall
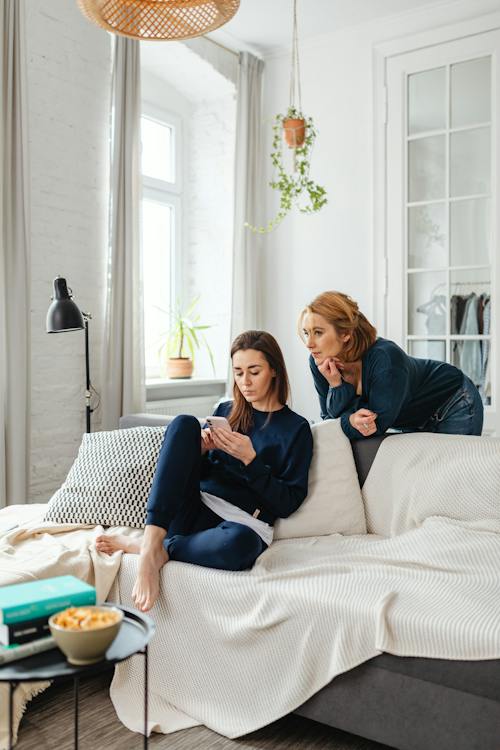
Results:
x,y
69,74
334,249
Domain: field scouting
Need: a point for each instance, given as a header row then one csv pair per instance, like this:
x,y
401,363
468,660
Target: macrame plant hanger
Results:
x,y
295,84
294,126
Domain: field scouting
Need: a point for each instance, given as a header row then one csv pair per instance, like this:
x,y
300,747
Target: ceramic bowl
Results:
x,y
86,646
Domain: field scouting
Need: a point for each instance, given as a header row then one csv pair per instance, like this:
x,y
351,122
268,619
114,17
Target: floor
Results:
x,y
47,725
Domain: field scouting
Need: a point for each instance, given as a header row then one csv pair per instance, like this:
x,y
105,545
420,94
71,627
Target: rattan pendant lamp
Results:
x,y
159,20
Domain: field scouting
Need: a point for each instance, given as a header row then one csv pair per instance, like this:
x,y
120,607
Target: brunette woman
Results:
x,y
216,493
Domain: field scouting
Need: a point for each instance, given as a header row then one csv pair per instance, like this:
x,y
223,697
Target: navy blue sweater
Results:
x,y
275,482
404,391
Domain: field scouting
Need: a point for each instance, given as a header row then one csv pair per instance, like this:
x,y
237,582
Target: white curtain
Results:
x,y
123,388
14,260
245,308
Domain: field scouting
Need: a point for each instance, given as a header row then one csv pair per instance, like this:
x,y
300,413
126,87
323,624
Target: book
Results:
x,y
26,601
16,652
22,632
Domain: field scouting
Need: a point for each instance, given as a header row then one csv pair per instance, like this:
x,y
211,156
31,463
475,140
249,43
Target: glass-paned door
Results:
x,y
442,253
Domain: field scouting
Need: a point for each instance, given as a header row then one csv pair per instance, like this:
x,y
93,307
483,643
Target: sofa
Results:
x,y
408,703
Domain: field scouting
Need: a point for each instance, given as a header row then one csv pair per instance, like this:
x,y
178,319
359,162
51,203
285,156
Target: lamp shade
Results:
x,y
63,314
159,19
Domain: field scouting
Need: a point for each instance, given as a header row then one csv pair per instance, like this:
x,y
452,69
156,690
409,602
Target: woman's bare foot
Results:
x,y
109,544
153,557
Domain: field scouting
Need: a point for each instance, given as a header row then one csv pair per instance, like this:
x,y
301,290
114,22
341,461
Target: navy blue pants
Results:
x,y
195,534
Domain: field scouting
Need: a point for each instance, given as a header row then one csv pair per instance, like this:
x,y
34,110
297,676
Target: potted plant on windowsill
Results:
x,y
184,337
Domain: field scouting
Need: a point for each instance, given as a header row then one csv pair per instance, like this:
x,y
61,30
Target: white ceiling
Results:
x,y
267,24
263,26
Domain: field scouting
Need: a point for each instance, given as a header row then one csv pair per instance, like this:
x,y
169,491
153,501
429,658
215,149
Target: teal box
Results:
x,y
26,601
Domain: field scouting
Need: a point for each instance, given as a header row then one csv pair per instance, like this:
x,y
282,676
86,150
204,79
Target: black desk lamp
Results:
x,y
64,315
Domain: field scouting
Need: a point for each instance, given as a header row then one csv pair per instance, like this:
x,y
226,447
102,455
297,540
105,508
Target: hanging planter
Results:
x,y
294,131
299,133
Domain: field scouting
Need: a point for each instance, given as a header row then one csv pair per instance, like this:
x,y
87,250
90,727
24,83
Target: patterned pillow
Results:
x,y
110,479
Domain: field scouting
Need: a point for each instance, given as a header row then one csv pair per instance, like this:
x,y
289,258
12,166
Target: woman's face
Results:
x,y
321,338
253,375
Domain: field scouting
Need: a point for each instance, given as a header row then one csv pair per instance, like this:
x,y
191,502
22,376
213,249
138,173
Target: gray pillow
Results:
x,y
110,480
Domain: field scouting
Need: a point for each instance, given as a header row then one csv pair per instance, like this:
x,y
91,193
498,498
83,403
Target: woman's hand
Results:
x,y
207,443
363,421
330,372
237,445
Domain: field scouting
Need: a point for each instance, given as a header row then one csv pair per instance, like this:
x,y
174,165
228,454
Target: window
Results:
x,y
161,207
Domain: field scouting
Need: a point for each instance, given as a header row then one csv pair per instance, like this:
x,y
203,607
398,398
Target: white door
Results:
x,y
443,207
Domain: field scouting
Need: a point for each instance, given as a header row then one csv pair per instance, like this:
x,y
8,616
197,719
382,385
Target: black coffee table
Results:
x,y
136,631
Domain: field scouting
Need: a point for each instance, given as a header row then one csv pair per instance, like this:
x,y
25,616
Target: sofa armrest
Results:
x,y
149,420
144,420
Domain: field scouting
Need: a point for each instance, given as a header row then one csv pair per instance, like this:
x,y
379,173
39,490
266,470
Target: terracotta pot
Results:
x,y
179,367
294,132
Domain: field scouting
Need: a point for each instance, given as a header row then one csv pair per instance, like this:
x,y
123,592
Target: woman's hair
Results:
x,y
241,416
344,315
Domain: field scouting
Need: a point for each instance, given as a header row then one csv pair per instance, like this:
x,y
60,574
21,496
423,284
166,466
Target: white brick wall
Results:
x,y
69,77
209,195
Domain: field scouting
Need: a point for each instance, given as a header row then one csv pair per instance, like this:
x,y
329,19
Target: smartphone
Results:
x,y
218,423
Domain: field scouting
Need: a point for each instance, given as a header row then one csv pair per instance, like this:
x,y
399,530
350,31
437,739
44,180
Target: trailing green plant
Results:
x,y
296,184
185,334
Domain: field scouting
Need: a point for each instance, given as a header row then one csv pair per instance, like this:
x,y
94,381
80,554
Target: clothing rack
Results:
x,y
470,283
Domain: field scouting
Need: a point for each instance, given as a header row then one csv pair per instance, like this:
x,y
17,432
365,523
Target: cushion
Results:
x,y
334,503
110,479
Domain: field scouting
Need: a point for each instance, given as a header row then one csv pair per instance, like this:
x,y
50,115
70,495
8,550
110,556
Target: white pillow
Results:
x,y
334,503
110,480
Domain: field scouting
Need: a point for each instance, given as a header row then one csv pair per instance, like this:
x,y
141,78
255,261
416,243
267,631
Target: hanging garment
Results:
x,y
457,308
470,351
435,310
480,312
485,384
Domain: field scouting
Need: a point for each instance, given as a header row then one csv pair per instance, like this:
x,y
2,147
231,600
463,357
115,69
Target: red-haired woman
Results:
x,y
216,494
372,385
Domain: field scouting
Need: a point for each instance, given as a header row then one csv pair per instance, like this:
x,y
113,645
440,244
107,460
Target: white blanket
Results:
x,y
235,651
33,550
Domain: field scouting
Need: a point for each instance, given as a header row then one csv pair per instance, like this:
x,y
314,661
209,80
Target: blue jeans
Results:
x,y
461,414
195,533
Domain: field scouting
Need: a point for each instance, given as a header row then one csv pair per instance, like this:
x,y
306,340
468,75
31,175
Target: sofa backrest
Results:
x,y
364,451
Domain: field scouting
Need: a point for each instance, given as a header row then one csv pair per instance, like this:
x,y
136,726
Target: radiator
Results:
x,y
198,406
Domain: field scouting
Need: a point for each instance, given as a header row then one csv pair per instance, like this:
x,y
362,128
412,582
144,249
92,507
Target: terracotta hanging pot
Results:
x,y
179,367
294,131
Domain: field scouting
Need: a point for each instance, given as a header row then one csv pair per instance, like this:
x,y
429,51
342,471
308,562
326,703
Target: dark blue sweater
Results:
x,y
404,391
275,482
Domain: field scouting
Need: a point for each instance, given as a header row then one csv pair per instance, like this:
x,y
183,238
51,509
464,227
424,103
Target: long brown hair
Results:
x,y
343,313
241,416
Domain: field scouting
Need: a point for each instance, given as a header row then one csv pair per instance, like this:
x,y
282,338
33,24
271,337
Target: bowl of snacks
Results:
x,y
84,634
